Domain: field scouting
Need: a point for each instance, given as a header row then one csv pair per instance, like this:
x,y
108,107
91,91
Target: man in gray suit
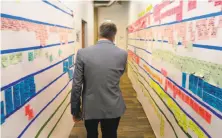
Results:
x,y
98,70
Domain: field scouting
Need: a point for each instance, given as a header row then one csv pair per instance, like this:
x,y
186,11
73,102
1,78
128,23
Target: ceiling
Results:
x,y
104,3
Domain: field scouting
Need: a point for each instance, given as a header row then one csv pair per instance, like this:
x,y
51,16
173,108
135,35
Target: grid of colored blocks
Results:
x,y
17,95
209,93
177,92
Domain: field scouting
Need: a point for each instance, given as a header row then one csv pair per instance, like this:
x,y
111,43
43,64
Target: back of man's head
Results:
x,y
108,30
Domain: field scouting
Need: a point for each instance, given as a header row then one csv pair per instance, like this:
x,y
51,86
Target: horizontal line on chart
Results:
x,y
37,115
47,2
140,48
31,20
200,102
66,6
58,120
211,47
51,116
32,48
219,48
177,103
27,76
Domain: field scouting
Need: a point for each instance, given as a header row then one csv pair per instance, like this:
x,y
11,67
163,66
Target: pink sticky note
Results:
x,y
179,16
192,4
220,22
218,2
214,32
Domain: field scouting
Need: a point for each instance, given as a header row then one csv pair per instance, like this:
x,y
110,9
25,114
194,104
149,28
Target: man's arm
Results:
x,y
77,86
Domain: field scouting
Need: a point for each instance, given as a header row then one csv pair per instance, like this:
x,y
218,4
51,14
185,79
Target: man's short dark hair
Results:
x,y
107,30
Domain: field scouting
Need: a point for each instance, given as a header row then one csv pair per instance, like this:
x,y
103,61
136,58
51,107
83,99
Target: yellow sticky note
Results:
x,y
5,61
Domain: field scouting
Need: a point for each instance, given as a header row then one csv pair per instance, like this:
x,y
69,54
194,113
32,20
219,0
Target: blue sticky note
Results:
x,y
16,95
70,61
209,99
2,112
65,66
218,93
70,74
184,78
32,89
22,91
9,100
27,93
193,83
200,83
219,105
31,80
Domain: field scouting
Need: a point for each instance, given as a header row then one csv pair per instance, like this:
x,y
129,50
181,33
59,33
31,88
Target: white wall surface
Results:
x,y
50,99
119,15
169,114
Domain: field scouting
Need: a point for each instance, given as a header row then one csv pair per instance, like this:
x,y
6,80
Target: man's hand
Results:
x,y
76,119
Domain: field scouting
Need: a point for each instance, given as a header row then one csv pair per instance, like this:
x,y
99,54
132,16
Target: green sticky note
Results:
x,y
30,56
5,61
13,59
51,58
60,52
19,57
36,53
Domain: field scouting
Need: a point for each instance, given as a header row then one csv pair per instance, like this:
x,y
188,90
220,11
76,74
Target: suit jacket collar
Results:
x,y
105,41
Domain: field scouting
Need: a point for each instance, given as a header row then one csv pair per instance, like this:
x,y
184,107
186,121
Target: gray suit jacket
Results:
x,y
98,70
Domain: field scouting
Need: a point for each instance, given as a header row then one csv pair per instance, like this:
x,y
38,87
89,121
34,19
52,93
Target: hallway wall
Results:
x,y
119,15
175,65
38,44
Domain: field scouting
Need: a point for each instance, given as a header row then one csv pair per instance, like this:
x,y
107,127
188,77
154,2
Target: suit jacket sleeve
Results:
x,y
77,85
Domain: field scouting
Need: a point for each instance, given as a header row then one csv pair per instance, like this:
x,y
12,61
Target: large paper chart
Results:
x,y
175,65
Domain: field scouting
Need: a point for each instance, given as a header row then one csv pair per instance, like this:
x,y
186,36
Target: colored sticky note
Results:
x,y
192,4
36,53
207,117
70,60
195,107
179,16
214,32
5,61
184,78
2,112
16,95
27,93
210,100
60,52
51,58
22,91
201,111
18,57
70,73
30,56
65,66
9,101
13,59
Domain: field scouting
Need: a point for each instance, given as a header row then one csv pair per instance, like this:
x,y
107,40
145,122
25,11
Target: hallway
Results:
x,y
133,124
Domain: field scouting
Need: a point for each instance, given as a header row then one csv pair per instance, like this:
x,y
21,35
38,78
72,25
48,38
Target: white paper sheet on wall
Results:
x,y
183,69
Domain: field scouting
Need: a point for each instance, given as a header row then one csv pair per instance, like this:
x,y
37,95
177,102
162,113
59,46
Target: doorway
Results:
x,y
84,42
